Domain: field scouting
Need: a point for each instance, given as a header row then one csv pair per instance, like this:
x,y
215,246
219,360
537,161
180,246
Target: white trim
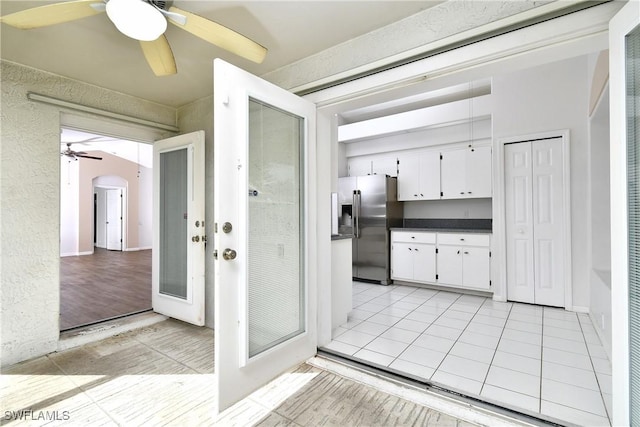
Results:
x,y
581,309
621,24
499,216
67,254
143,248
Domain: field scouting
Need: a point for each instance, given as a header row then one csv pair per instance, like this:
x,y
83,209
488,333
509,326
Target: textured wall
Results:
x,y
192,117
30,209
430,25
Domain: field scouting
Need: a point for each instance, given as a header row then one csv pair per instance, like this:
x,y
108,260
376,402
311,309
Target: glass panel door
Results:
x,y
178,228
264,208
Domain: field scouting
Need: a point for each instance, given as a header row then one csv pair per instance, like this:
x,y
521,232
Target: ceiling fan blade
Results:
x,y
159,56
87,157
51,14
221,36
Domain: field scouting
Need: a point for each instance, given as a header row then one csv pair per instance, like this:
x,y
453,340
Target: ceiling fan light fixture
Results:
x,y
137,19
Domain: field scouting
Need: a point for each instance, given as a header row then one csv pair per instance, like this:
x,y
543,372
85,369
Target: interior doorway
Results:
x,y
105,228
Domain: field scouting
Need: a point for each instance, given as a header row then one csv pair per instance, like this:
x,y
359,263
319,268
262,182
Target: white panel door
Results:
x,y
519,222
424,263
178,228
548,221
449,265
408,177
535,216
264,189
476,268
114,219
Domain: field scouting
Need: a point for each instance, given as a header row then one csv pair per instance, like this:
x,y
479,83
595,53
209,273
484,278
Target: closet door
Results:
x,y
548,221
519,222
534,197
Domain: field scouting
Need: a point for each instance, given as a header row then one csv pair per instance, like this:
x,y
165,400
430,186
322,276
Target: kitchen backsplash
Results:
x,y
449,223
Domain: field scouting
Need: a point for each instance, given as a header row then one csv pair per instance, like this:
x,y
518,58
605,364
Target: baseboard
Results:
x,y
66,254
580,309
143,248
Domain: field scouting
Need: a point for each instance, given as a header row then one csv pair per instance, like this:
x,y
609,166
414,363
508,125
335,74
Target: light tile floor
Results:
x,y
540,360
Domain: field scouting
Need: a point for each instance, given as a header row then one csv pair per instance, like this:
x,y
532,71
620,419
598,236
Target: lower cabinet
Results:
x,y
413,256
450,259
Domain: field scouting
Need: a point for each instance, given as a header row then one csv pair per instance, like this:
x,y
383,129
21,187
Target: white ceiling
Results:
x,y
93,51
135,152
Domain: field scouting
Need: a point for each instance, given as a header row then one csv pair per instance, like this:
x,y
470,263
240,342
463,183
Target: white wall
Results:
x,y
145,208
69,190
30,134
468,208
546,98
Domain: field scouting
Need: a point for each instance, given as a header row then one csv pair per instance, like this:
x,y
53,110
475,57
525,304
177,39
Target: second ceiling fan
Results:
x,y
143,20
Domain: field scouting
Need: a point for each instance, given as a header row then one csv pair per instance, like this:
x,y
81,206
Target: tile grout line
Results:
x,y
606,410
84,392
496,349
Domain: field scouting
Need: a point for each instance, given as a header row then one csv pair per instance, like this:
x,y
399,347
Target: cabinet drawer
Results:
x,y
413,237
464,239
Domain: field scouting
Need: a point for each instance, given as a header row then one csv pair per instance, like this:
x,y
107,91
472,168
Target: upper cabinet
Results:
x,y
372,165
419,176
466,173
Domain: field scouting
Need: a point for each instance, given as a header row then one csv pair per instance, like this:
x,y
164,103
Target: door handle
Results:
x,y
195,239
229,254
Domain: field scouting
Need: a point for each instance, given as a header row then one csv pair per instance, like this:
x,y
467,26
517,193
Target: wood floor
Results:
x,y
104,285
163,375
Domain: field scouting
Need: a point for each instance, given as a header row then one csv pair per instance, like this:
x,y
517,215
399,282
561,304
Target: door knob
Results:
x,y
195,239
229,254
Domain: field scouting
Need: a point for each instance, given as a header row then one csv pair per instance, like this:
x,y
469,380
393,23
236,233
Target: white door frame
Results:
x,y
623,23
499,212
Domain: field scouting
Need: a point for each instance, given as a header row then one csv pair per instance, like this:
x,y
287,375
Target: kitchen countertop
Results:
x,y
443,230
341,236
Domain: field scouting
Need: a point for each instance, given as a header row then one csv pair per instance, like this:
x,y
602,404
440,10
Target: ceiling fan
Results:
x,y
143,20
77,154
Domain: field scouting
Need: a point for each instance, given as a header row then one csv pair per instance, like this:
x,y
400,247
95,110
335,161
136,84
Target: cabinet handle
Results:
x,y
415,195
462,192
421,195
466,253
410,249
416,250
469,192
462,240
458,252
413,237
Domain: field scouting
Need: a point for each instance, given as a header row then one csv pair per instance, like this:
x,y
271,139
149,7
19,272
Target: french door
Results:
x,y
264,213
624,85
178,228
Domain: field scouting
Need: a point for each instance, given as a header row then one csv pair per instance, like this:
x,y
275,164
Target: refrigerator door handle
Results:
x,y
356,213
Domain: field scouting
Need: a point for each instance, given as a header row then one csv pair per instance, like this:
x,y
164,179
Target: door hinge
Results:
x,y
215,227
441,194
489,254
440,156
489,283
436,277
397,161
436,250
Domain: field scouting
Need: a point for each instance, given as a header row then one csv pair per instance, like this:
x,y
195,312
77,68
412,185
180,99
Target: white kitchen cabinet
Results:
x,y
419,176
413,256
359,166
466,173
367,165
464,260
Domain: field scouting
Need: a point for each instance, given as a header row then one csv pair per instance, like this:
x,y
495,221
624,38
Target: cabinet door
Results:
x,y
478,172
429,181
359,166
385,166
402,261
453,174
449,262
424,263
476,267
408,178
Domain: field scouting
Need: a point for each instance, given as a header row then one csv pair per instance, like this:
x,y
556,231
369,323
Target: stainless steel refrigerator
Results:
x,y
369,207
